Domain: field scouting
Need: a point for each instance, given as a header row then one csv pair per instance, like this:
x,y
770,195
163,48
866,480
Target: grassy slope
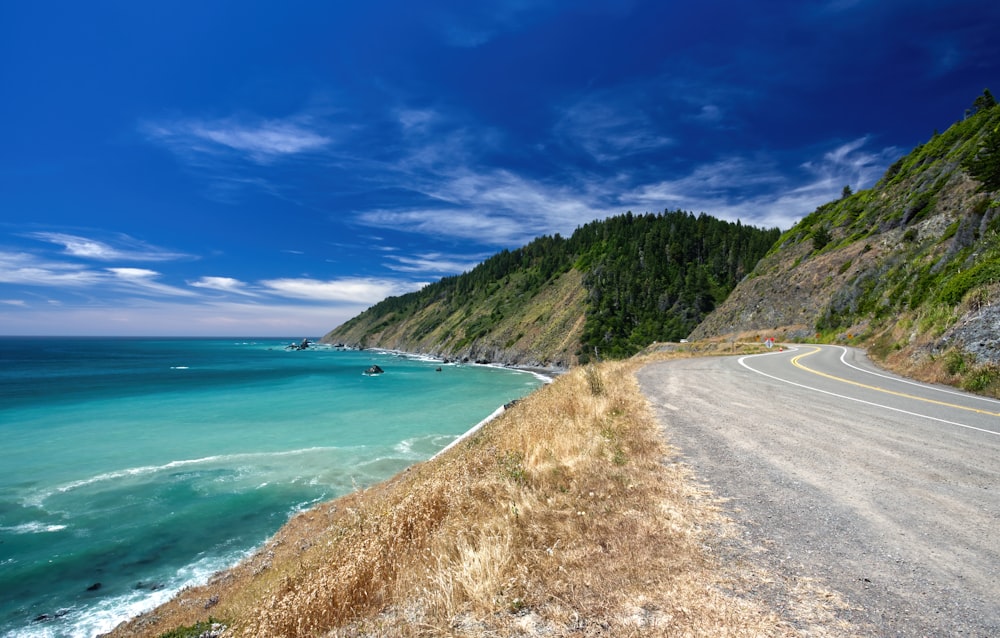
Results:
x,y
911,271
542,329
567,514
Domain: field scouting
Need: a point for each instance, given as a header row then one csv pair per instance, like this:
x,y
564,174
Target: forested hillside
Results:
x,y
610,289
909,268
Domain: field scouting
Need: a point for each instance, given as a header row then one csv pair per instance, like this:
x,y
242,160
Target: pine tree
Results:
x,y
984,166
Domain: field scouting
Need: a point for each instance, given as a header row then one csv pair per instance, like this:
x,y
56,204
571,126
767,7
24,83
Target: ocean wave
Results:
x,y
34,527
419,447
38,499
104,615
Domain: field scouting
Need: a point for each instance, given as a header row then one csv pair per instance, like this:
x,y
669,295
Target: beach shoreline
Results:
x,y
226,363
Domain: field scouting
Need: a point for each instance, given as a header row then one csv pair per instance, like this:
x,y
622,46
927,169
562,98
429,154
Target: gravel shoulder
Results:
x,y
894,521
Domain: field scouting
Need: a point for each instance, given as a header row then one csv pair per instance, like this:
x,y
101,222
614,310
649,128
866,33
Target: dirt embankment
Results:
x,y
567,515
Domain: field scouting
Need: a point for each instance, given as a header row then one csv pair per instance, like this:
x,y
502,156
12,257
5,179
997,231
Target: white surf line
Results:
x,y
914,383
474,429
856,400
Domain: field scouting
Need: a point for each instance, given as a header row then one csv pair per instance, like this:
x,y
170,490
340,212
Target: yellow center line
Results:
x,y
797,364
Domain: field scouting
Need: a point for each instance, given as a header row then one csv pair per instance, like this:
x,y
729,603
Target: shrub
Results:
x,y
954,362
981,378
821,237
985,272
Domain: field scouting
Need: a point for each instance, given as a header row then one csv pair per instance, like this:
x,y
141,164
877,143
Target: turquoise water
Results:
x,y
130,468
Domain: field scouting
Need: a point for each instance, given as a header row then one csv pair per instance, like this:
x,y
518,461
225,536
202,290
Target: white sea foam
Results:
x,y
37,500
34,527
408,355
405,446
472,431
106,614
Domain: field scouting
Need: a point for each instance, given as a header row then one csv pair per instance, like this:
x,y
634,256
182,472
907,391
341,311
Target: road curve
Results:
x,y
881,489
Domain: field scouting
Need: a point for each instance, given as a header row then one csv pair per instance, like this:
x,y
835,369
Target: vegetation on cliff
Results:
x,y
609,290
567,515
910,267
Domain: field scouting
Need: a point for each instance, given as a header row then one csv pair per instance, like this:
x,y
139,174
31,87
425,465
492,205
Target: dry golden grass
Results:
x,y
565,515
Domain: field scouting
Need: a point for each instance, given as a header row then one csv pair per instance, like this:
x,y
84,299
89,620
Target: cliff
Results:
x,y
607,291
909,268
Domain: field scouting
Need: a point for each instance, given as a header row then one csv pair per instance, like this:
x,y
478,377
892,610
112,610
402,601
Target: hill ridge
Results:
x,y
608,290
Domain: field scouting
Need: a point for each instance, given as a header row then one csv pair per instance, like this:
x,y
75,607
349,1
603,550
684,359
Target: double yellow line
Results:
x,y
796,362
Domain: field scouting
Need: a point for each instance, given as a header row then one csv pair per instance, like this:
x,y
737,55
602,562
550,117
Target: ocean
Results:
x,y
131,468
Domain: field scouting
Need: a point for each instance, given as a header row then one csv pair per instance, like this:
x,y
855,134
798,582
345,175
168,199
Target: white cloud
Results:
x,y
709,114
492,207
850,164
87,248
13,302
141,317
348,290
433,263
144,281
223,284
416,120
27,269
609,130
261,141
758,191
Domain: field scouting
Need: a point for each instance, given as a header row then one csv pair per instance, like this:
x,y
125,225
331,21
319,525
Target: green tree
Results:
x,y
821,237
984,102
984,166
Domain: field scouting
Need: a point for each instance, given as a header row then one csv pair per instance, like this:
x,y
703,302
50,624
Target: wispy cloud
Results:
x,y
609,130
432,263
224,284
347,290
28,269
127,248
850,164
261,141
145,281
142,316
758,190
493,208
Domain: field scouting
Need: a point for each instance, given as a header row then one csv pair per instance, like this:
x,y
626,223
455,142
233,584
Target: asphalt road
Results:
x,y
880,489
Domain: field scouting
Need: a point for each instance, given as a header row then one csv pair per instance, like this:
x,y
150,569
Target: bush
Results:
x,y
981,378
985,272
821,237
955,363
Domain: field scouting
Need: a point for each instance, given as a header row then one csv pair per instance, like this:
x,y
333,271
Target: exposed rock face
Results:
x,y
374,370
909,266
544,334
976,334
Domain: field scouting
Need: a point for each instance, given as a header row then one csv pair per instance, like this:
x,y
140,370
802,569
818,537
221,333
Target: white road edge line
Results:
x,y
926,386
841,396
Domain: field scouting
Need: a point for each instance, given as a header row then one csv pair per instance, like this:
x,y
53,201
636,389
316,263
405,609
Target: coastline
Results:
x,y
122,592
547,374
206,578
496,413
496,538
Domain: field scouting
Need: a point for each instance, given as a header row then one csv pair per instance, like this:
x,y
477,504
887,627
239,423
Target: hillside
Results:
x,y
909,268
609,290
567,515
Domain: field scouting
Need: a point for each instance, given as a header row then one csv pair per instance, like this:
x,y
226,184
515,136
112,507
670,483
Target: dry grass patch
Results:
x,y
563,516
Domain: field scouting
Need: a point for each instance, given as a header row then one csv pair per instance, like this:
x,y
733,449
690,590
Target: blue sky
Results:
x,y
264,168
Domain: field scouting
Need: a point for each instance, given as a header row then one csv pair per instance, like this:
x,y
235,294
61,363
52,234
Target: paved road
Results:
x,y
884,490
